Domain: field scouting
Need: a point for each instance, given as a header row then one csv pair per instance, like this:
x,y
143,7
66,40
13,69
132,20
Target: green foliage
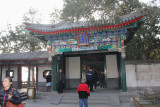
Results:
x,y
32,16
17,40
5,45
55,16
75,10
146,45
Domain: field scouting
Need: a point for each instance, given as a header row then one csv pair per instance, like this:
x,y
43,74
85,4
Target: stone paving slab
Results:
x,y
56,99
115,100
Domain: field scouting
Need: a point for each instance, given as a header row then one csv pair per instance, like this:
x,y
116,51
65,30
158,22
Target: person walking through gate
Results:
x,y
95,79
60,80
83,91
8,93
102,79
89,78
48,80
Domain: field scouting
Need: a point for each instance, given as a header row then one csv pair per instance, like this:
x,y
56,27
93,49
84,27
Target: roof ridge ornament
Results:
x,y
64,27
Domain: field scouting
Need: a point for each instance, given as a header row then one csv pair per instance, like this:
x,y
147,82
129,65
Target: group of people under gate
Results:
x,y
94,79
86,85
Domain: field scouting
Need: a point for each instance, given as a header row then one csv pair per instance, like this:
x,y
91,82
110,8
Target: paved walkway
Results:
x,y
45,103
44,99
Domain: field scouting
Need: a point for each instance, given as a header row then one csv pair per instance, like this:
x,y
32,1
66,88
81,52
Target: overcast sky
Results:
x,y
11,11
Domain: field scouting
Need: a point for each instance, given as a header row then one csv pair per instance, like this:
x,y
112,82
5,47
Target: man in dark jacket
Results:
x,y
83,92
60,80
89,78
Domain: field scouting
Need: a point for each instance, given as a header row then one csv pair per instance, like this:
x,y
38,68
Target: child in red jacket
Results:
x,y
83,92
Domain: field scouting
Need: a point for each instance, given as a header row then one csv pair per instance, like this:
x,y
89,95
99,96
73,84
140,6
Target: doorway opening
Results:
x,y
97,64
24,75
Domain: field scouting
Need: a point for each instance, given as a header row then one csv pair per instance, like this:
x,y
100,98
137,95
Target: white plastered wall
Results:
x,y
15,73
111,66
40,73
72,67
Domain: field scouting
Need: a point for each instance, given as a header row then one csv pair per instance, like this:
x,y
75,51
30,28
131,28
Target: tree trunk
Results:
x,y
142,47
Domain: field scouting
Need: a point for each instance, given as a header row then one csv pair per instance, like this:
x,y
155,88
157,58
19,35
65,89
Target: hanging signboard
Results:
x,y
82,38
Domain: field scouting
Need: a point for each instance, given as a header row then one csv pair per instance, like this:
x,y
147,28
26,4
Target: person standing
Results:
x,y
89,78
83,92
95,79
84,75
8,93
102,79
48,80
60,80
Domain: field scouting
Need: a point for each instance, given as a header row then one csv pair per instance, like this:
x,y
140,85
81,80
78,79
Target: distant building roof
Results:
x,y
24,56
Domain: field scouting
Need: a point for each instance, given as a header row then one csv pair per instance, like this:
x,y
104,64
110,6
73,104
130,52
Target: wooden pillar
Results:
x,y
36,75
119,70
18,77
54,72
29,73
1,75
57,63
33,79
105,71
123,74
8,70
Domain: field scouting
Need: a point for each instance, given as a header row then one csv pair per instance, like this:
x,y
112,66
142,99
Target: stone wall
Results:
x,y
72,83
143,74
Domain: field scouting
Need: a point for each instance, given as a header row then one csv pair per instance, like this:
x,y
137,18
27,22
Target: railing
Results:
x,y
136,102
144,100
39,86
150,98
26,82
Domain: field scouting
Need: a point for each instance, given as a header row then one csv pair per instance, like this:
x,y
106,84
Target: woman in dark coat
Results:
x,y
5,93
102,79
95,79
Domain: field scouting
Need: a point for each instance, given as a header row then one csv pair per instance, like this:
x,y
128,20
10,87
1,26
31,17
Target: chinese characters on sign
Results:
x,y
82,38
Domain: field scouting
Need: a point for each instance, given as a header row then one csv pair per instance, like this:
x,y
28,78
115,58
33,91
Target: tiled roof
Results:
x,y
83,24
25,55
